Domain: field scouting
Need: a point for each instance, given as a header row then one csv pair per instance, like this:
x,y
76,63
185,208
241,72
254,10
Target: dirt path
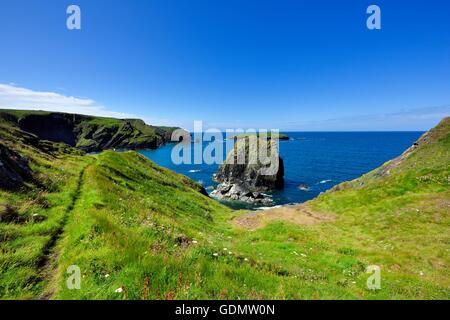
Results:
x,y
49,261
297,214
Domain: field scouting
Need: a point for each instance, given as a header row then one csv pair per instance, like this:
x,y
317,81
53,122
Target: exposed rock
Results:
x,y
238,192
14,169
243,176
53,127
89,133
304,187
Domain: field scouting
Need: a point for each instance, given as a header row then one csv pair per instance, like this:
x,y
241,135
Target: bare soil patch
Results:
x,y
297,214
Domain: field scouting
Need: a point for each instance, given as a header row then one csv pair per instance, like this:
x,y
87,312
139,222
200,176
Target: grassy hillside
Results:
x,y
398,216
88,133
130,224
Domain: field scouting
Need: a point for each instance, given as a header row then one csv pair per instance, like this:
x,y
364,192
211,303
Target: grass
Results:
x,y
24,246
130,224
89,133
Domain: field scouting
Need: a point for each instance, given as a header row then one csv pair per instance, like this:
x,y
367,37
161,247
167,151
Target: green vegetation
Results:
x,y
130,224
88,133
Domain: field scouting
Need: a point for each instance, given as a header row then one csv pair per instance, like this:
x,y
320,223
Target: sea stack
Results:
x,y
253,166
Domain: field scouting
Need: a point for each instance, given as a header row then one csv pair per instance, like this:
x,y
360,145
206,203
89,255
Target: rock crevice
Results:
x,y
251,168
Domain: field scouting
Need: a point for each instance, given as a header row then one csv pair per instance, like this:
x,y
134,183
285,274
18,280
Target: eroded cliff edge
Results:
x,y
88,133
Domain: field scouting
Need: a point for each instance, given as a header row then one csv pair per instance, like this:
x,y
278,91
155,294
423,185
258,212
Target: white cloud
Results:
x,y
13,97
421,119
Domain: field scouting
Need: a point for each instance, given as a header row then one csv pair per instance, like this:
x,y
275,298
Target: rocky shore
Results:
x,y
247,180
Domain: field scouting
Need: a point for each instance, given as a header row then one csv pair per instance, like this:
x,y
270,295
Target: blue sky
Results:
x,y
289,65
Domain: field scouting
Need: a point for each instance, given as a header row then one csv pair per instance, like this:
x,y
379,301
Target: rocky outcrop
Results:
x,y
89,133
14,169
304,187
56,127
246,174
55,133
240,192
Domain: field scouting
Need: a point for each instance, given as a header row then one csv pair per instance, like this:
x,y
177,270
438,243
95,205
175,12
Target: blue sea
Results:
x,y
318,160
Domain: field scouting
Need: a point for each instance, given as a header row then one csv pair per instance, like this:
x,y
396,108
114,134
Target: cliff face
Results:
x,y
53,127
88,133
243,179
88,204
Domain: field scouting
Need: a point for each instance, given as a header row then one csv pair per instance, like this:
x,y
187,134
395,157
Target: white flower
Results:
x,y
107,275
215,254
194,241
225,249
119,290
245,259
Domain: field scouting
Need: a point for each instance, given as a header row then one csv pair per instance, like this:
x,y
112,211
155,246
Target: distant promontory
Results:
x,y
89,133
